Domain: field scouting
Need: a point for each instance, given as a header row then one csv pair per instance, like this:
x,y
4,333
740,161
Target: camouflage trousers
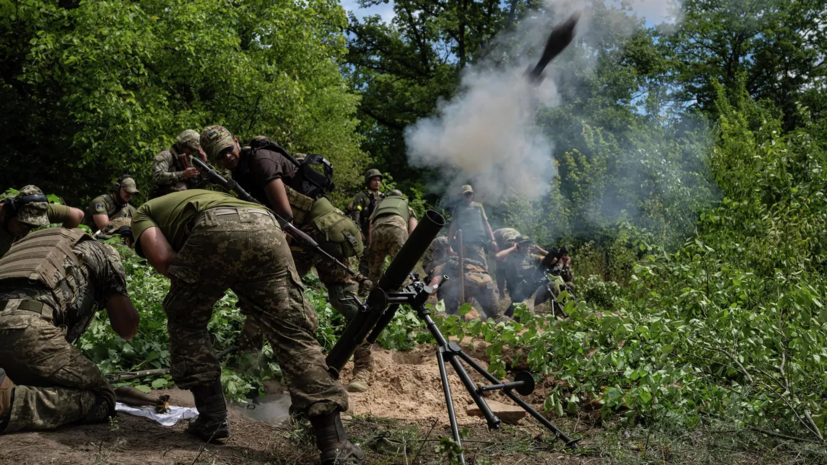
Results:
x,y
387,239
476,252
247,252
340,291
478,286
56,384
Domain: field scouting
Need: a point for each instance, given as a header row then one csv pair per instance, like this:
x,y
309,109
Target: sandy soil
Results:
x,y
405,386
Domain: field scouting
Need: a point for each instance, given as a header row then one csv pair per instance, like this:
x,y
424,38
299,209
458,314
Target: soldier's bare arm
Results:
x,y
101,220
157,250
277,197
69,217
437,276
490,234
503,254
123,317
75,217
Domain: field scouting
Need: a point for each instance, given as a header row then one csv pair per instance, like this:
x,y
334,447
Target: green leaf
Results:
x,y
143,388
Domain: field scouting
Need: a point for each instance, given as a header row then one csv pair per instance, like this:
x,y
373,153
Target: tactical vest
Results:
x,y
40,256
393,206
469,219
341,233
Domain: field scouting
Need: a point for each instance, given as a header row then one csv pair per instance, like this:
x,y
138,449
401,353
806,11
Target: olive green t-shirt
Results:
x,y
106,205
172,212
56,213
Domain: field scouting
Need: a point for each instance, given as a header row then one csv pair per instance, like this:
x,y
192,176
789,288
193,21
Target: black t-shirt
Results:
x,y
257,169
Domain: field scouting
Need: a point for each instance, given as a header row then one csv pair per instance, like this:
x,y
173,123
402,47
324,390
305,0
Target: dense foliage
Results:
x,y
91,90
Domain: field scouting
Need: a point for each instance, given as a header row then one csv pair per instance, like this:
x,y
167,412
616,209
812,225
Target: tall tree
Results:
x,y
777,46
94,89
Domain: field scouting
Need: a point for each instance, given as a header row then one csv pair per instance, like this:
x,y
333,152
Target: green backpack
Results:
x,y
343,238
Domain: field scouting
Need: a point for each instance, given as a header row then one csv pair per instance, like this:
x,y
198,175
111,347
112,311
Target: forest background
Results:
x,y
687,159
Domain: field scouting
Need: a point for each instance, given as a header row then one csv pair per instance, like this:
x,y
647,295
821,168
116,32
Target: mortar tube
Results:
x,y
406,259
379,315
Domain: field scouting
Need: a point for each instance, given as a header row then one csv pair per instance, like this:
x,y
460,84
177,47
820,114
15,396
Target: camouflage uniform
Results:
x,y
478,283
34,215
389,233
248,253
505,238
56,384
360,211
471,219
256,168
169,165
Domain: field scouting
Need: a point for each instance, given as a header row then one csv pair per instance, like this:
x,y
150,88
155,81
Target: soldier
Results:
x,y
105,208
119,227
390,224
51,285
276,181
362,208
469,216
505,238
206,242
520,263
479,286
28,210
172,169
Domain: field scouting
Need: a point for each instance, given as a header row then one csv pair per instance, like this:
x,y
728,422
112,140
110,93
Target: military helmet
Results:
x,y
372,173
188,139
29,207
121,225
395,193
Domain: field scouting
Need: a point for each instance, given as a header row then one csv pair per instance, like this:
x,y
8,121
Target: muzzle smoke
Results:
x,y
486,136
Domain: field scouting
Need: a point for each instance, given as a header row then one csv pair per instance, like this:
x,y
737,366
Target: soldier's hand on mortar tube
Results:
x,y
202,155
190,172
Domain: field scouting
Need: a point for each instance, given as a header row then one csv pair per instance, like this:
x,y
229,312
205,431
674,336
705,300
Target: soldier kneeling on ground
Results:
x,y
478,283
51,285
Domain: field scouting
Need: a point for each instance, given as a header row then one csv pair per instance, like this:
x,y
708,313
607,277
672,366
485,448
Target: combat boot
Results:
x,y
211,423
6,398
362,365
332,441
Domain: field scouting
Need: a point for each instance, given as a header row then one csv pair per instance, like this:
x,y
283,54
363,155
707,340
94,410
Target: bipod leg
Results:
x,y
449,402
572,443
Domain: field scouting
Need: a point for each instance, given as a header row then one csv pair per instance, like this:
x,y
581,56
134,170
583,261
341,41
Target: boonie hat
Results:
x,y
33,214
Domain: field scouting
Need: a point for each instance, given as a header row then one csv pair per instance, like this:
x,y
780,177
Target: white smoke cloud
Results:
x,y
486,135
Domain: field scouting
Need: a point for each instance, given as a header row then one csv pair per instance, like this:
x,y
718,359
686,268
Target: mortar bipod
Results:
x,y
416,294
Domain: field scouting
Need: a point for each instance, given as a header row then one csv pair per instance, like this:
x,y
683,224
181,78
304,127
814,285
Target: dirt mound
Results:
x,y
406,386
